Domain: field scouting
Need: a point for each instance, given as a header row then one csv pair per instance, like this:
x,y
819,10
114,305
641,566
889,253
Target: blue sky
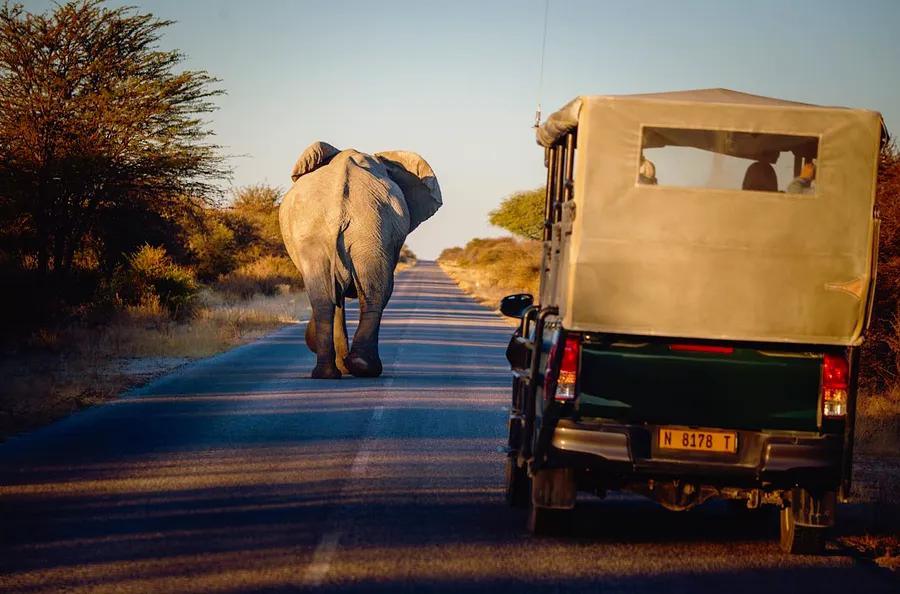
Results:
x,y
458,81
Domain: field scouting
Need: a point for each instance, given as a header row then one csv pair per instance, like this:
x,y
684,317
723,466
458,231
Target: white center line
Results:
x,y
325,551
360,462
321,561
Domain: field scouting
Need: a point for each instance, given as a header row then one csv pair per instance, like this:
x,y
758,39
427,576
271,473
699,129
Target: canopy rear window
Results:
x,y
728,160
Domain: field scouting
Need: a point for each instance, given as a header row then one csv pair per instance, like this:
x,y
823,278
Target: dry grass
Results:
x,y
63,370
878,423
401,266
876,478
884,550
67,369
267,276
491,269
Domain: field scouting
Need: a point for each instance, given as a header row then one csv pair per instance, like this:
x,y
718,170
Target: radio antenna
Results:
x,y
540,87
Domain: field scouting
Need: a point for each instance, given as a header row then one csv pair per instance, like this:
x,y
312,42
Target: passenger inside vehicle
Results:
x,y
647,172
760,177
803,183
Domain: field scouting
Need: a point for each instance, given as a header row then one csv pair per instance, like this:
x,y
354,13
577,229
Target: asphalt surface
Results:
x,y
239,474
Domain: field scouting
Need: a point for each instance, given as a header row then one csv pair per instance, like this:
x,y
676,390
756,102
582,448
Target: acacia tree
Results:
x,y
521,213
258,206
99,132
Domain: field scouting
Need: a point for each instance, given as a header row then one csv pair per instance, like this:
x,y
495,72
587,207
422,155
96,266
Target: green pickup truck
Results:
x,y
708,271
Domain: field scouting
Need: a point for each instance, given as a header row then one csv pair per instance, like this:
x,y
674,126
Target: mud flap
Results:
x,y
553,488
813,509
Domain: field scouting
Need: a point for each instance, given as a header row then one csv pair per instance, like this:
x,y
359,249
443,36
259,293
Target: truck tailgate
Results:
x,y
741,388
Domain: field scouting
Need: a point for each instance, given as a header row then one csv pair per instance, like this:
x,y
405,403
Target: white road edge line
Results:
x,y
321,561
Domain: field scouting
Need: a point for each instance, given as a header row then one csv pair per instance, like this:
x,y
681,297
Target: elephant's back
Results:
x,y
352,197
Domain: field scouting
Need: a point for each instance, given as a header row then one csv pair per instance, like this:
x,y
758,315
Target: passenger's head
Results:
x,y
647,172
808,171
760,177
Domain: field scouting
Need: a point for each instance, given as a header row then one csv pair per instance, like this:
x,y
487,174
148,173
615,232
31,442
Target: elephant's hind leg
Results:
x,y
340,337
310,335
374,287
363,360
322,333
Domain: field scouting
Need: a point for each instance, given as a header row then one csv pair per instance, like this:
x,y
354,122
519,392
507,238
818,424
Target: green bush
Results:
x,y
212,247
521,213
149,276
221,240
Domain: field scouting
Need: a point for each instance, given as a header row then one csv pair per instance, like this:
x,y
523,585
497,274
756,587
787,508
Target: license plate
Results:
x,y
698,440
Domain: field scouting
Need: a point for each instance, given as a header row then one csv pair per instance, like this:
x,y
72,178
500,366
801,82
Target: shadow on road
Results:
x,y
229,476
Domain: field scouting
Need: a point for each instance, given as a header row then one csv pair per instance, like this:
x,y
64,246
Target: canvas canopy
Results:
x,y
708,262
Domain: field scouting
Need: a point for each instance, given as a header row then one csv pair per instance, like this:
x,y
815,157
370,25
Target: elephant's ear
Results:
x,y
417,181
316,155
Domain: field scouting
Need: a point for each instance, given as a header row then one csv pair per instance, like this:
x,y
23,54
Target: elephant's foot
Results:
x,y
341,364
321,371
363,366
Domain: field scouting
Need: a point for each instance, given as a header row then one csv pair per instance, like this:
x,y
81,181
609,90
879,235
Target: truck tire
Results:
x,y
800,540
805,521
518,489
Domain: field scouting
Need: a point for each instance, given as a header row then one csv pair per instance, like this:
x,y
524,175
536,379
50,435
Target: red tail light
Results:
x,y
567,375
835,385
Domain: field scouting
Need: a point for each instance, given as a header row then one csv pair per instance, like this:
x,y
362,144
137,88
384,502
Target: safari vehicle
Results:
x,y
708,271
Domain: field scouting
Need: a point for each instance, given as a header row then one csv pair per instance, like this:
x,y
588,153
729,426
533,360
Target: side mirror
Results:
x,y
514,306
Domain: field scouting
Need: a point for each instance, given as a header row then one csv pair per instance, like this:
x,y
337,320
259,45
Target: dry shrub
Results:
x,y
152,281
266,276
881,351
490,269
451,255
883,549
406,260
407,256
217,325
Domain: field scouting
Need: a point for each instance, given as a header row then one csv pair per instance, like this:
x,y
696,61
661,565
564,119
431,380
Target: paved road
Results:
x,y
238,474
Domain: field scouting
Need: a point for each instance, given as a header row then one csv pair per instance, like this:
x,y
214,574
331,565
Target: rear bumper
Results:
x,y
776,459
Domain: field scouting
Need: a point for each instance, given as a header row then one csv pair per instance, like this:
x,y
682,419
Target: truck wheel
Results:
x,y
518,490
800,540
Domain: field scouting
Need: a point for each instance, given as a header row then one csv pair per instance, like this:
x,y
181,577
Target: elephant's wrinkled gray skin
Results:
x,y
344,221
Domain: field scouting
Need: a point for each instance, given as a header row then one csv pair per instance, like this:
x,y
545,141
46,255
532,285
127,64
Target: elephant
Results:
x,y
344,221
